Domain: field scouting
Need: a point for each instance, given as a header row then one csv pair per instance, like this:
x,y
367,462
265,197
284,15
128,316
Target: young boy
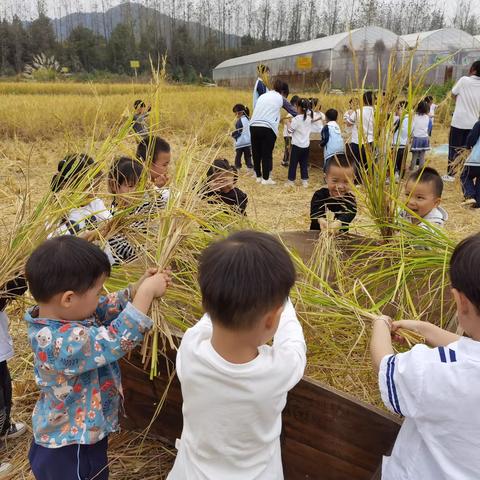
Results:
x,y
423,190
77,336
234,385
470,177
435,389
336,196
400,139
331,137
140,116
156,153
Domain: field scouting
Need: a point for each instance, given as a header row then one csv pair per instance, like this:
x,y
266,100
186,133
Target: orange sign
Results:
x,y
304,63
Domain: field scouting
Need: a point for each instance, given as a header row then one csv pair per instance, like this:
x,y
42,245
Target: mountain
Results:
x,y
140,17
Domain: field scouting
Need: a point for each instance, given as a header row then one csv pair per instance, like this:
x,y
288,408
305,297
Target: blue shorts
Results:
x,y
72,462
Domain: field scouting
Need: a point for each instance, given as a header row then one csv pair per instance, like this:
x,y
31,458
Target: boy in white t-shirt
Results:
x,y
436,389
234,385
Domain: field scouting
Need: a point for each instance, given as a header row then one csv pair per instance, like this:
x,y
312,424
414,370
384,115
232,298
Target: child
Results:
x,y
470,177
420,139
431,112
332,140
318,117
123,180
435,388
221,179
241,134
235,384
300,127
8,428
155,152
71,172
400,139
352,106
287,136
424,193
336,196
77,336
140,116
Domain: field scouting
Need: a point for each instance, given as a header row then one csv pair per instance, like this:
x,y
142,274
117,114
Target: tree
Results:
x,y
42,35
85,50
121,48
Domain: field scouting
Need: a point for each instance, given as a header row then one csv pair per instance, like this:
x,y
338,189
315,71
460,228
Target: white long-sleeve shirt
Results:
x,y
232,413
420,125
267,111
366,117
300,129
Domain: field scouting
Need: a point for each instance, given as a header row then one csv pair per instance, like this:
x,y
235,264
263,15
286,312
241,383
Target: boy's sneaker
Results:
x,y
6,471
284,164
304,183
469,202
448,178
289,183
268,182
259,179
397,177
16,430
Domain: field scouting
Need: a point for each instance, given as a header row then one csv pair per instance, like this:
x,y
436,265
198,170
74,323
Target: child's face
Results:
x,y
299,108
141,110
159,169
239,114
125,193
339,180
222,182
421,198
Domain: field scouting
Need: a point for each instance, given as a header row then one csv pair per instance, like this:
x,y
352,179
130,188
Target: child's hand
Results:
x,y
411,325
385,319
148,273
156,284
161,180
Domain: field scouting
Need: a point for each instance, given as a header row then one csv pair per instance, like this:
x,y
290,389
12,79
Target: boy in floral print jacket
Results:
x,y
77,337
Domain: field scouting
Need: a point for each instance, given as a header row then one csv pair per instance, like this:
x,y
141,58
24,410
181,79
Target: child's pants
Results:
x,y
298,156
5,398
247,153
400,161
418,159
470,179
286,152
72,462
263,143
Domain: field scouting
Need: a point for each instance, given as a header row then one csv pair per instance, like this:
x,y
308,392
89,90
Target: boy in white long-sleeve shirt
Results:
x,y
234,385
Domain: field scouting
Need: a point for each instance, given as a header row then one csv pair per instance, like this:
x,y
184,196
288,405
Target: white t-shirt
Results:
x,y
401,134
317,126
366,117
467,107
267,111
300,129
420,125
285,126
437,390
6,343
232,413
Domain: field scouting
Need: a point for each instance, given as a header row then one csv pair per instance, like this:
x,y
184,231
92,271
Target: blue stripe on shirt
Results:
x,y
453,356
394,388
389,383
443,357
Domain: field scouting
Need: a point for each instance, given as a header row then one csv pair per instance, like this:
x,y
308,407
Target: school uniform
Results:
x,y
243,142
431,114
139,125
344,208
300,128
399,142
420,140
258,90
436,390
466,114
331,141
470,176
438,216
264,130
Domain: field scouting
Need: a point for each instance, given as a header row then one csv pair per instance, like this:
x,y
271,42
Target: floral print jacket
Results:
x,y
77,371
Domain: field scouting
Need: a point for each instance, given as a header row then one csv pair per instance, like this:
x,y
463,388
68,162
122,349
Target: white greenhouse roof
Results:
x,y
319,44
439,39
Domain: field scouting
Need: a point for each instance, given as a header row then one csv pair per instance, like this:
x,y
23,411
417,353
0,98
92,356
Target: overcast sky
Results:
x,y
9,6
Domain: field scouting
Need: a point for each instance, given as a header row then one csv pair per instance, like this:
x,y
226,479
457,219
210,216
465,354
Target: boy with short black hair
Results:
x,y
77,336
435,389
336,196
331,137
423,190
234,385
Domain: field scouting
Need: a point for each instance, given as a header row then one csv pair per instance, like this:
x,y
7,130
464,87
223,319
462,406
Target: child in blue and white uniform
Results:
x,y
420,136
287,136
400,139
331,137
470,177
241,134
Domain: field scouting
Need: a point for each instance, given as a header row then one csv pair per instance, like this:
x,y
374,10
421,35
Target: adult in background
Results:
x,y
466,93
260,88
264,129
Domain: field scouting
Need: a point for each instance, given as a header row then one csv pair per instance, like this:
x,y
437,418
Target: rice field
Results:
x,y
40,123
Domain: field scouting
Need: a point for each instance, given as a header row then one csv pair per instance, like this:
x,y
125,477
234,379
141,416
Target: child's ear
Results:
x,y
272,317
66,299
461,301
438,201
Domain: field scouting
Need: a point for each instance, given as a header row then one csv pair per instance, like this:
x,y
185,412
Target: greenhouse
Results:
x,y
309,64
455,49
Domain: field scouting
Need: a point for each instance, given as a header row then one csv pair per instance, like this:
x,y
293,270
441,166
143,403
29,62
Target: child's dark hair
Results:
x,y
314,102
281,87
305,105
422,108
152,146
339,160
221,165
427,175
241,108
402,104
70,169
476,68
139,104
125,170
465,269
368,98
62,264
428,99
331,115
244,277
294,100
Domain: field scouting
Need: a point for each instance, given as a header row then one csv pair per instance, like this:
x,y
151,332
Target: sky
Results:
x,y
30,6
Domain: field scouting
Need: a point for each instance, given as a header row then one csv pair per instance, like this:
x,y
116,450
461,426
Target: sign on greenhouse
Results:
x,y
304,63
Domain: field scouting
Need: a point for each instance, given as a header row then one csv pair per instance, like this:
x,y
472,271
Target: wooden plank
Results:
x,y
324,431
